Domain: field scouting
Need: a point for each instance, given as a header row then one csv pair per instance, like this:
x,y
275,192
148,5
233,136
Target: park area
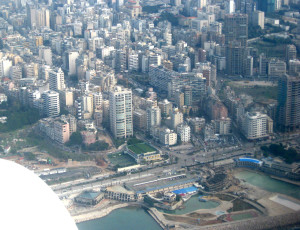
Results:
x,y
141,148
120,160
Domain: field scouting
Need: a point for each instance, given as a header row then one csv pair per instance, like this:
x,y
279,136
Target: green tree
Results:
x,y
75,139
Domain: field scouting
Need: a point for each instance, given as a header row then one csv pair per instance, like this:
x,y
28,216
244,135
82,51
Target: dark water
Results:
x,y
124,218
192,205
267,183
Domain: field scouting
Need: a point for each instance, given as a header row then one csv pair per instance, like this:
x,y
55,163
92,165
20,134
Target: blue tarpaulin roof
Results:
x,y
185,190
250,160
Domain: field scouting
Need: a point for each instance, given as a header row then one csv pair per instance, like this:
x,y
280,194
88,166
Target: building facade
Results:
x,y
120,110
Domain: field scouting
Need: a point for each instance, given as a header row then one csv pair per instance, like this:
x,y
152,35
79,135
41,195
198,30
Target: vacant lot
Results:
x,y
260,94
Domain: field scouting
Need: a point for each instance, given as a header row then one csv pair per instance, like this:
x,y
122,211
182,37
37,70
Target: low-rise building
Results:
x,y
89,197
164,135
143,152
120,193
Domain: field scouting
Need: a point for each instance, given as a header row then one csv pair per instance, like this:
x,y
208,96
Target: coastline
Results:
x,y
155,214
96,214
266,174
285,180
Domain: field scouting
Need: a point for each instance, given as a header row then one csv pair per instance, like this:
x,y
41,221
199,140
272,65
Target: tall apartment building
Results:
x,y
45,54
37,17
258,18
263,64
165,107
230,7
97,100
87,106
5,65
288,109
235,58
16,72
290,53
51,106
140,119
294,67
61,131
70,61
56,80
176,118
267,5
184,132
153,117
276,67
120,111
254,125
236,28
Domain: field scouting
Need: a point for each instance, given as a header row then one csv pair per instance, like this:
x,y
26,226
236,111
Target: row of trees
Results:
x,y
290,155
76,139
17,116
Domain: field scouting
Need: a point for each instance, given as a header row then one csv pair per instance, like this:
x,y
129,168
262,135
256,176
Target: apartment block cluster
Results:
x,y
69,55
58,129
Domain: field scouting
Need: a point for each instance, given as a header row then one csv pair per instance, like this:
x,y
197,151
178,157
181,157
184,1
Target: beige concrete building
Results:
x,y
119,193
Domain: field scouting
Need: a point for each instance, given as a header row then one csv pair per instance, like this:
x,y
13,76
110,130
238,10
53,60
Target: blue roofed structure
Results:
x,y
248,162
185,190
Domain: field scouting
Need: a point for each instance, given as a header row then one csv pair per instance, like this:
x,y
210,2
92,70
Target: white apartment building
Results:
x,y
254,125
153,117
5,66
56,80
133,62
45,54
294,67
258,18
184,132
176,118
51,106
97,100
87,106
168,137
120,111
70,62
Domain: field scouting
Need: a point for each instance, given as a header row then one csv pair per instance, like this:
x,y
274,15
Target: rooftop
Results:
x,y
119,189
89,195
250,160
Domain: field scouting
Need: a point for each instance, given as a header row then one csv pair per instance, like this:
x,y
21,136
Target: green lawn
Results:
x,y
121,159
141,148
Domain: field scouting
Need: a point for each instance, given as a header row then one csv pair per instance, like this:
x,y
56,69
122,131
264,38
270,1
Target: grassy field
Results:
x,y
270,49
121,159
260,94
141,148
